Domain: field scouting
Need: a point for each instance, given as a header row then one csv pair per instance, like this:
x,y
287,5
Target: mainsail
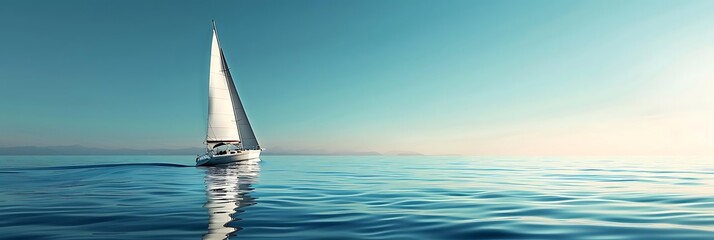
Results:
x,y
227,121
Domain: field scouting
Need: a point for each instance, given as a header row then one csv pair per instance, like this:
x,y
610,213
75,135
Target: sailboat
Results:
x,y
229,137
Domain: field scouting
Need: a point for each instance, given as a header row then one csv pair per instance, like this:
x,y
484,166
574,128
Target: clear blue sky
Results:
x,y
437,77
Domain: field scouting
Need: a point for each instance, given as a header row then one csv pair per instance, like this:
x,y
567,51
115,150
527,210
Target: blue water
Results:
x,y
355,197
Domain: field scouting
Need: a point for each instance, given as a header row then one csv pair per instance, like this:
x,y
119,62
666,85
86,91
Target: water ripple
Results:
x,y
307,197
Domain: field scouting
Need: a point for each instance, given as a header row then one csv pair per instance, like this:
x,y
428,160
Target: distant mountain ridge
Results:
x,y
279,151
82,150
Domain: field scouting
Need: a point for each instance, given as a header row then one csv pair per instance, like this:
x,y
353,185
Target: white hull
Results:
x,y
209,160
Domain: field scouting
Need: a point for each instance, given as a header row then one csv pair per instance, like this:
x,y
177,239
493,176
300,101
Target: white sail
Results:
x,y
222,126
247,137
227,121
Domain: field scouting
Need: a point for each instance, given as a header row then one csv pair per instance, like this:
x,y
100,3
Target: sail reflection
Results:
x,y
227,189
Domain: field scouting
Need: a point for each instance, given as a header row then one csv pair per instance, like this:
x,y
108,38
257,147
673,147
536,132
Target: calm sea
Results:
x,y
356,197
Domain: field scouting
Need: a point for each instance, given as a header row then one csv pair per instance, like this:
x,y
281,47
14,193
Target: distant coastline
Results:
x,y
83,150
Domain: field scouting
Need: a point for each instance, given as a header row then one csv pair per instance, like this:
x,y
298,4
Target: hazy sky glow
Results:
x,y
474,77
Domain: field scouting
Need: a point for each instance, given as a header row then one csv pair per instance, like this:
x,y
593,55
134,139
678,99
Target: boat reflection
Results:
x,y
227,190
